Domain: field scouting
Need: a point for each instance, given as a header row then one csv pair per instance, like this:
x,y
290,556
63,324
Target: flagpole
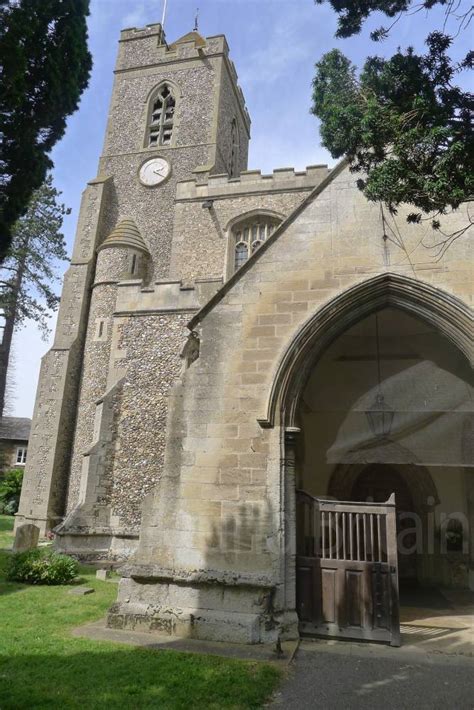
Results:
x,y
163,18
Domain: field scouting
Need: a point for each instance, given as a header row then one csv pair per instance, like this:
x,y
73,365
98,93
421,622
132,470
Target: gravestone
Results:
x,y
26,538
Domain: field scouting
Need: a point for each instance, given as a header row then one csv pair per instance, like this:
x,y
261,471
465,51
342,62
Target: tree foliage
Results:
x,y
45,67
402,122
27,276
353,13
10,490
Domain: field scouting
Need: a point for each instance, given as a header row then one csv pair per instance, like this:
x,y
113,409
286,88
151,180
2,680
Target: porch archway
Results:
x,y
441,312
446,313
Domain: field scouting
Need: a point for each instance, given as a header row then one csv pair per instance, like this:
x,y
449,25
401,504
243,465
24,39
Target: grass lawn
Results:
x,y
6,528
42,666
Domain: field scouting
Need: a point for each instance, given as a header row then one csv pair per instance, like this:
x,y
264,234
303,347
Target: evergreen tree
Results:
x,y
28,273
45,67
402,122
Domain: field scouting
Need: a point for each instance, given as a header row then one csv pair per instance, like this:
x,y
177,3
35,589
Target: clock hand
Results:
x,y
158,172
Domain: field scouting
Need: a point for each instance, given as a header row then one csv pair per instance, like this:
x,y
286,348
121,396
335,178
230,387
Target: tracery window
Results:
x,y
249,235
160,128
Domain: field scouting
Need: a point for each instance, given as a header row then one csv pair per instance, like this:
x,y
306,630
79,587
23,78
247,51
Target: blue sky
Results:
x,y
274,45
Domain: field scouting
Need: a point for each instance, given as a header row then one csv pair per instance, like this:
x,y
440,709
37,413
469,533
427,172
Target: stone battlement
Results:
x,y
140,47
153,29
164,296
282,179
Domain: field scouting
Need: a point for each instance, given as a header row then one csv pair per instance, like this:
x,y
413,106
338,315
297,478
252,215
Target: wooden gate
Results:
x,y
346,569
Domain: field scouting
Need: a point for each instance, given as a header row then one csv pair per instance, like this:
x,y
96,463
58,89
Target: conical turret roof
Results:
x,y
125,234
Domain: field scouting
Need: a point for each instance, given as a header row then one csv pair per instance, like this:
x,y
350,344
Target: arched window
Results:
x,y
249,235
161,117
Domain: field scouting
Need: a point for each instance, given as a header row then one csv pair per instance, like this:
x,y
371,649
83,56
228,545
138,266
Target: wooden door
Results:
x,y
346,569
376,483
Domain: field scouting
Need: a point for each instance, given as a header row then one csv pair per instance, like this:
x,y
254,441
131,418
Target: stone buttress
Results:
x,y
45,481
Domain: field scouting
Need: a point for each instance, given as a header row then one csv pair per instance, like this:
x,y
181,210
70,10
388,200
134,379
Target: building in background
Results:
x,y
14,437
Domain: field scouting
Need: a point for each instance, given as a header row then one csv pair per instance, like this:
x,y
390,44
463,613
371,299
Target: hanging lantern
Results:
x,y
380,417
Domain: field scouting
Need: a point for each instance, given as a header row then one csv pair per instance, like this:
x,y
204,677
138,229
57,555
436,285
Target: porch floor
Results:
x,y
428,624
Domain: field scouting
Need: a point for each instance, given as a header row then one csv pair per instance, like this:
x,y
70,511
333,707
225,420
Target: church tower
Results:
x,y
176,114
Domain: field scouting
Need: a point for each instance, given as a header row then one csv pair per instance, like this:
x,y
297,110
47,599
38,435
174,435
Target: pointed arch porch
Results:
x,y
449,315
439,309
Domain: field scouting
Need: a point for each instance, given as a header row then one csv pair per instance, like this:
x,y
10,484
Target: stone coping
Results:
x,y
226,578
252,181
96,532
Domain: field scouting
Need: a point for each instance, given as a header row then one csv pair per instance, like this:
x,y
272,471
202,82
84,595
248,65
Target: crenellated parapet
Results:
x,y
164,296
147,47
252,181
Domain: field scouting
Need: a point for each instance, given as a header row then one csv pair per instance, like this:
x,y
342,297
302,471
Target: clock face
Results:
x,y
154,171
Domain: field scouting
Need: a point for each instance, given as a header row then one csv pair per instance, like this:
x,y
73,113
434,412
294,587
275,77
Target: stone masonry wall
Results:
x,y
93,383
204,233
229,109
228,476
150,346
46,472
150,208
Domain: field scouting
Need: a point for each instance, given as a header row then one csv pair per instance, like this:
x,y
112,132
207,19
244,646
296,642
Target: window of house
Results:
x,y
249,235
21,455
160,127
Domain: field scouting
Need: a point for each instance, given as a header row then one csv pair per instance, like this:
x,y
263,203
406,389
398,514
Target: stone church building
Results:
x,y
246,368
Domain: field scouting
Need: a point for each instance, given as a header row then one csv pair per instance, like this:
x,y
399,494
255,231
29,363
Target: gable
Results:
x,y
335,239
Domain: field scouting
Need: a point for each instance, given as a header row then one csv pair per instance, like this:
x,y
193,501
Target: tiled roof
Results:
x,y
17,428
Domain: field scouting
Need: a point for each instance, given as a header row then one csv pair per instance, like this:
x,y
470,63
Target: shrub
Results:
x,y
41,567
10,489
11,507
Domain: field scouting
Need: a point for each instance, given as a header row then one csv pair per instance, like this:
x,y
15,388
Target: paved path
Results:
x,y
381,678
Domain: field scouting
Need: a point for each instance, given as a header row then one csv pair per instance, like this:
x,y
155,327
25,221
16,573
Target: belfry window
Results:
x,y
234,150
249,235
160,128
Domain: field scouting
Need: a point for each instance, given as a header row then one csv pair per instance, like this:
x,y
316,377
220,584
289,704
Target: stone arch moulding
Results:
x,y
148,107
416,476
229,269
253,213
449,315
176,89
